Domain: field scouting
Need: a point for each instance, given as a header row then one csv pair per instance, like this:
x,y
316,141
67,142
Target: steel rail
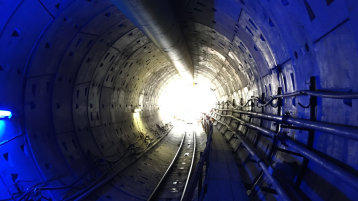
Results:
x,y
108,176
190,170
155,191
196,181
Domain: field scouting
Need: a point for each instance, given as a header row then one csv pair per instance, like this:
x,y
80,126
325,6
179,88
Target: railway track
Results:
x,y
174,182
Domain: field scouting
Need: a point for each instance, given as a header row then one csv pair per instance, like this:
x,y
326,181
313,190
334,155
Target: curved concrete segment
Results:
x,y
157,20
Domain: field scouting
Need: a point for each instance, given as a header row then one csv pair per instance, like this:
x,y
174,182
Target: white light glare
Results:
x,y
137,110
179,100
5,114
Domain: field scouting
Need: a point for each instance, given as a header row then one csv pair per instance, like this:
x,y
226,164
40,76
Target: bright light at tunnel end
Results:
x,y
181,100
5,114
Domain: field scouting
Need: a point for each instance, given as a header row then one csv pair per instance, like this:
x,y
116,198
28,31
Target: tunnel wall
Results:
x,y
73,73
294,46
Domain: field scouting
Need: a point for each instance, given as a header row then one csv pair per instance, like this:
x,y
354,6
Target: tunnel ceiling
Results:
x,y
74,72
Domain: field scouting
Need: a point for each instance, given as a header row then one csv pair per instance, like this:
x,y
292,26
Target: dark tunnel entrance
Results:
x,y
99,103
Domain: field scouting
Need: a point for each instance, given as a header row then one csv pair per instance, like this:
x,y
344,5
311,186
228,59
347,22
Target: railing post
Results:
x,y
250,118
277,129
256,181
241,106
200,184
311,133
261,121
240,115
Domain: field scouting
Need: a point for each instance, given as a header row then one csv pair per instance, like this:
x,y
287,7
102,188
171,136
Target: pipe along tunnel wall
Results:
x,y
74,72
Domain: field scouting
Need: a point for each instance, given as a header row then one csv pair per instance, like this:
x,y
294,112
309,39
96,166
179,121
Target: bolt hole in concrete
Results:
x,y
181,102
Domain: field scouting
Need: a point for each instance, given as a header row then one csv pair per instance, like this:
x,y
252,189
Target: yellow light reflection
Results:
x,y
138,123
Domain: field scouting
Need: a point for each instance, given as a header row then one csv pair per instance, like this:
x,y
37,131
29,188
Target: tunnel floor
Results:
x,y
224,181
137,181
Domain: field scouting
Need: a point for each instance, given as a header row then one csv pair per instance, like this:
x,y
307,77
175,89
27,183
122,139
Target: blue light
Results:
x,y
5,114
2,130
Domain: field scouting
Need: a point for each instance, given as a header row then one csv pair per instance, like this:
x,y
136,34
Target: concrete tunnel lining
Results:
x,y
74,72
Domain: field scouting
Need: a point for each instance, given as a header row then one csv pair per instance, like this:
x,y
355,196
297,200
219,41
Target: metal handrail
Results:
x,y
321,93
318,93
312,155
261,163
340,130
350,132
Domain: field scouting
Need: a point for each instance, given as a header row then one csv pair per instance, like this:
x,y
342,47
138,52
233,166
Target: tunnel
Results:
x,y
95,98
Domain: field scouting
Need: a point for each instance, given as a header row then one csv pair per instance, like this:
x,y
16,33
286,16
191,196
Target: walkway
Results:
x,y
224,180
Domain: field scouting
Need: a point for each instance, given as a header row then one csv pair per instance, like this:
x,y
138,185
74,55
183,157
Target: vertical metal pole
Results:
x,y
200,178
256,182
261,121
277,130
250,118
313,117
